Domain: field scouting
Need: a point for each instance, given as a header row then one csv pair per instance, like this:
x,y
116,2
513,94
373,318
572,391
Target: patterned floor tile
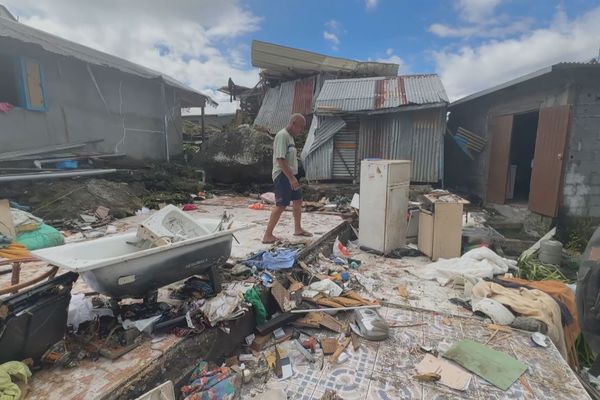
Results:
x,y
386,387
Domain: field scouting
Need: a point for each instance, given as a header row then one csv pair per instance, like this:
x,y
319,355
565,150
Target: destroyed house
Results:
x,y
55,93
534,140
292,79
396,118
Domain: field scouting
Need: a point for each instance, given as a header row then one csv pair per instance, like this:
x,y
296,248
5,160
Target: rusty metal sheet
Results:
x,y
548,160
500,129
303,96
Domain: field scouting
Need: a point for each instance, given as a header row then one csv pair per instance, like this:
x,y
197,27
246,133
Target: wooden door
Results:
x,y
500,129
548,160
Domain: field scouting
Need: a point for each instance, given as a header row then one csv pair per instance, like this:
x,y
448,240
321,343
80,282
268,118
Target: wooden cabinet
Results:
x,y
440,226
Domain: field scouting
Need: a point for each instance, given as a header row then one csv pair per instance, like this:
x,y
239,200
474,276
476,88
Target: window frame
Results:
x,y
21,80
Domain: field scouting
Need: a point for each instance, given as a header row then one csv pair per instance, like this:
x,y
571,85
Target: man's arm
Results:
x,y
285,168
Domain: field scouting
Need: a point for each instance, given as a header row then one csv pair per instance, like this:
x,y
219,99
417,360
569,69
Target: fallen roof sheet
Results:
x,y
57,45
363,94
284,61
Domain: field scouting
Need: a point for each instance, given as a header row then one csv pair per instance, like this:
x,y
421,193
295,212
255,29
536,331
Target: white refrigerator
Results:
x,y
384,186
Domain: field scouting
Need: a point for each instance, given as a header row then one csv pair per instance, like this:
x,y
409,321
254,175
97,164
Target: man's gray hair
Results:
x,y
295,117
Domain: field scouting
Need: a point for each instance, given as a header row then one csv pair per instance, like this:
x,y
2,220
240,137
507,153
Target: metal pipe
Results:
x,y
334,309
202,119
164,99
55,175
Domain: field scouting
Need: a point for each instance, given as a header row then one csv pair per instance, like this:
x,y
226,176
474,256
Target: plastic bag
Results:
x,y
339,250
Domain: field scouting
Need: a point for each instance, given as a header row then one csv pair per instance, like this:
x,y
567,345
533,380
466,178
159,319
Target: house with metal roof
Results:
x,y
291,80
533,141
54,92
397,118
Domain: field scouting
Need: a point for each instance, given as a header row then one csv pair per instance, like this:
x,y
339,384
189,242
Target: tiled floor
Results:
x,y
384,370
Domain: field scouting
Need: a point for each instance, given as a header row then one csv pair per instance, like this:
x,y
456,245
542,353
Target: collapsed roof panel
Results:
x,y
364,94
57,45
286,62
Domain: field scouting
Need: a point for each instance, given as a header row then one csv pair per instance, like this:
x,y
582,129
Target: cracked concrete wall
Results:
x,y
127,111
581,190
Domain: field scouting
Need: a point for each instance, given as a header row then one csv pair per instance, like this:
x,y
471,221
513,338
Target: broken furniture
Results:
x,y
131,265
384,186
34,320
440,225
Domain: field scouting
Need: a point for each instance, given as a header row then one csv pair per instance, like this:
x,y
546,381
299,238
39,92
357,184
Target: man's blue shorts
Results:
x,y
283,191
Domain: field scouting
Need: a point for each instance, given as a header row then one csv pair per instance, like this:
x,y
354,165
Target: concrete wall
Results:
x,y
581,190
472,175
131,121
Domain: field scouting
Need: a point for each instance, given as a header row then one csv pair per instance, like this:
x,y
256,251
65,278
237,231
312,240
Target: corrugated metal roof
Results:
x,y
524,78
303,96
364,94
276,108
57,45
284,61
415,136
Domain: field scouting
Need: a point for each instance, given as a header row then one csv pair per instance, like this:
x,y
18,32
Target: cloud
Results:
x,y
390,57
331,38
198,42
473,68
491,28
479,19
332,32
476,10
371,4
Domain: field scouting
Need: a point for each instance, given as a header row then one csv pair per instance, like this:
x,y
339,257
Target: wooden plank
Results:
x,y
500,130
549,160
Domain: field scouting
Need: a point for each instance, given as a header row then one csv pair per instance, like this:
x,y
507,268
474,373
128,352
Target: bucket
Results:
x,y
551,252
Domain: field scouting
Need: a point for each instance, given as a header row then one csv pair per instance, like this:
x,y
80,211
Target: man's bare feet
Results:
x,y
270,239
303,233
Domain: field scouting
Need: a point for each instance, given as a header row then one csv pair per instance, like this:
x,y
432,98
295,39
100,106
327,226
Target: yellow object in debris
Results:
x,y
14,251
12,369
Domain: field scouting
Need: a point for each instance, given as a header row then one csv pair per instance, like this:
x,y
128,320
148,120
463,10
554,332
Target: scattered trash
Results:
x,y
450,375
428,377
339,250
371,325
495,367
273,260
495,310
189,207
207,384
143,211
257,206
268,197
539,339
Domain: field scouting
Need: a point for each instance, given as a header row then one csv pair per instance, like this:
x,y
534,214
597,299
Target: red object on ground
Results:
x,y
310,344
6,107
257,206
189,207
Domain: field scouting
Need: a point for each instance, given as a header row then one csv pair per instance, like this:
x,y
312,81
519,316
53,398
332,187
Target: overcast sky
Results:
x,y
472,44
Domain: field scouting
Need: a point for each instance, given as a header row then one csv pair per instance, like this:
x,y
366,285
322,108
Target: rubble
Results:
x,y
242,154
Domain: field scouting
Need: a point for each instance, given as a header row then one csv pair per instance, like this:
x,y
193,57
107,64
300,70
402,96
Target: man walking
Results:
x,y
287,187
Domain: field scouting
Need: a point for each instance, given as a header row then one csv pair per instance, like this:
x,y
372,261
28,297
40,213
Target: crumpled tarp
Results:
x,y
272,260
480,262
530,303
206,384
9,370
